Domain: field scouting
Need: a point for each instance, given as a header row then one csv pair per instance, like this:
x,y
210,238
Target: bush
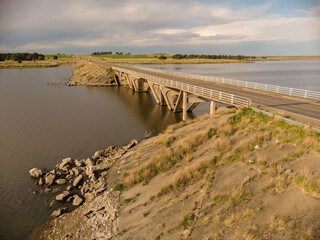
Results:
x,y
162,57
55,57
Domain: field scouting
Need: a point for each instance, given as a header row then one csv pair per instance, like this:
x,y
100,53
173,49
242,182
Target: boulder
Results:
x,y
69,188
79,163
49,179
76,171
77,180
62,196
90,162
58,212
61,181
64,163
47,190
90,173
97,154
77,200
35,172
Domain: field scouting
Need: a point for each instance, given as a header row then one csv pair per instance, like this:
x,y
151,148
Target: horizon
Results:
x,y
234,27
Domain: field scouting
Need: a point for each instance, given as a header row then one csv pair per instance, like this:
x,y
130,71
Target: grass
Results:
x,y
164,160
277,224
50,56
119,187
308,183
186,220
145,214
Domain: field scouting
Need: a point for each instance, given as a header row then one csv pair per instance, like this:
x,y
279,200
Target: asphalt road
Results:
x,y
291,105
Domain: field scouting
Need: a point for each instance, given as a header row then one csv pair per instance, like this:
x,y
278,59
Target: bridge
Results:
x,y
182,92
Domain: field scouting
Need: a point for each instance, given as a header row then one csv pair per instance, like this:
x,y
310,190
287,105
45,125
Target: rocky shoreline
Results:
x,y
82,184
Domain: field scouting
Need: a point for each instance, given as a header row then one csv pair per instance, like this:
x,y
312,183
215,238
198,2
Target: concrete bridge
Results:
x,y
176,95
181,93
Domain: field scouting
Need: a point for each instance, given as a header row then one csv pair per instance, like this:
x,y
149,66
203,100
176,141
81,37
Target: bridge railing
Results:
x,y
295,92
200,91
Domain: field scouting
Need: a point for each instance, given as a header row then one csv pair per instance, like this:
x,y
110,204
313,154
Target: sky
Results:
x,y
247,27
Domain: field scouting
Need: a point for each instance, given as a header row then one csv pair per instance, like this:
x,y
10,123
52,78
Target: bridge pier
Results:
x,y
184,107
212,107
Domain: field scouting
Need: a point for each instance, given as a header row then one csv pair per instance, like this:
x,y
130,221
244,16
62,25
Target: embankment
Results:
x,y
90,74
235,175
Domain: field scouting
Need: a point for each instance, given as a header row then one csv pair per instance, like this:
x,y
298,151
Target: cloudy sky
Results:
x,y
249,27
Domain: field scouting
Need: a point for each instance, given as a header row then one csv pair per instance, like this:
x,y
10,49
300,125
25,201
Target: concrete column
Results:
x,y
184,107
212,107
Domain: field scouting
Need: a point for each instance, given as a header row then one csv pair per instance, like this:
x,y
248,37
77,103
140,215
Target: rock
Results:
x,y
76,171
69,188
79,163
77,180
131,144
280,169
251,161
64,163
289,172
97,154
69,199
62,196
71,172
58,212
90,173
49,179
41,181
61,181
77,200
68,177
35,172
47,190
256,147
34,192
245,180
90,162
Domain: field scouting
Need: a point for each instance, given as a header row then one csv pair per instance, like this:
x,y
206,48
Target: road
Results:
x,y
304,108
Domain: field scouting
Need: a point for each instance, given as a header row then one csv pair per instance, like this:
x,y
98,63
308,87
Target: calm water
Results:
x,y
304,74
40,124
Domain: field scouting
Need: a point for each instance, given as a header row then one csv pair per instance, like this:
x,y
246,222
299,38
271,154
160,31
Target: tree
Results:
x,y
162,57
41,57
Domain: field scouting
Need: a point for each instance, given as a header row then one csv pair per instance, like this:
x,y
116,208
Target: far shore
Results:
x,y
149,59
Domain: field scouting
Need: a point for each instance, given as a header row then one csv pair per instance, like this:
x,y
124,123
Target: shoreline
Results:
x,y
148,184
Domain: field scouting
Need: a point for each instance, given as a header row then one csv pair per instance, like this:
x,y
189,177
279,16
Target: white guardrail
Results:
x,y
295,92
200,91
286,120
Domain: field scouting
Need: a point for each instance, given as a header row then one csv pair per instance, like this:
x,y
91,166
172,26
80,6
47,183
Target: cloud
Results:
x,y
60,24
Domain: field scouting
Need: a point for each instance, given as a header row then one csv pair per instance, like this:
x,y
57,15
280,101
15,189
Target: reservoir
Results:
x,y
303,74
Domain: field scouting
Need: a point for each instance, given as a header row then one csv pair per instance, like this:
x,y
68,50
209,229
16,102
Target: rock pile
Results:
x,y
80,180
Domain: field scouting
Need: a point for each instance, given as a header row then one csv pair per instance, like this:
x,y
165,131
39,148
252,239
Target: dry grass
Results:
x,y
277,224
31,64
309,183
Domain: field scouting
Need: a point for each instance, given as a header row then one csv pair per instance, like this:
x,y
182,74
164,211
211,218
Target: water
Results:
x,y
304,74
40,124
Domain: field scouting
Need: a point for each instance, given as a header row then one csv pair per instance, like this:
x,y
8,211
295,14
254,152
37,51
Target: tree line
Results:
x,y
197,56
21,56
102,53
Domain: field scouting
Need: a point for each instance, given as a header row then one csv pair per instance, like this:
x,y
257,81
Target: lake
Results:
x,y
304,74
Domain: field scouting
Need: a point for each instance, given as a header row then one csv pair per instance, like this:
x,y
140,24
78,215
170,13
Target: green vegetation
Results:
x,y
52,56
119,187
19,57
186,220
